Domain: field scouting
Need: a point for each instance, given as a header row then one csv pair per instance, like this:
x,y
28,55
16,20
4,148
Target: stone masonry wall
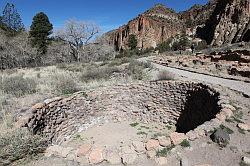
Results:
x,y
163,102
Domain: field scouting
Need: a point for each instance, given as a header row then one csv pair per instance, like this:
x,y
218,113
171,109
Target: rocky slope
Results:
x,y
217,22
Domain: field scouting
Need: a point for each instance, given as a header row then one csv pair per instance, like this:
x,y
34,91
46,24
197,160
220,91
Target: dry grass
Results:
x,y
21,88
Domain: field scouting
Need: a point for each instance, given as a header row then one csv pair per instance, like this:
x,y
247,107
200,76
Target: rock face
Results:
x,y
229,23
217,22
150,28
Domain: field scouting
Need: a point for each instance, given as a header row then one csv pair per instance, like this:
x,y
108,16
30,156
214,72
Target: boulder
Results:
x,y
152,144
83,150
246,160
221,137
96,156
177,138
243,126
139,146
164,141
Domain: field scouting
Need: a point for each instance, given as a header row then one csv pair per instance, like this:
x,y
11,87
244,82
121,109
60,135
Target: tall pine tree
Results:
x,y
40,30
11,18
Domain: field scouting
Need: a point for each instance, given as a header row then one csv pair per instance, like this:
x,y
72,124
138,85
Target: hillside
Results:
x,y
160,23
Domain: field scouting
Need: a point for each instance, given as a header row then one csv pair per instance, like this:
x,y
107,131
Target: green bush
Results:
x,y
164,46
18,86
18,144
185,143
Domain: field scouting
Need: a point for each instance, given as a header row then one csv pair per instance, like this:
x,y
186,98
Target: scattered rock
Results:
x,y
152,144
96,156
113,158
151,154
37,106
177,138
221,137
83,150
244,126
161,161
184,161
246,160
139,146
58,151
128,159
227,112
164,141
229,107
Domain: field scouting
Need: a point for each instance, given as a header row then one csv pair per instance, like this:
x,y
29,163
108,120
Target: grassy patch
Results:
x,y
228,130
145,127
142,133
19,144
241,131
185,143
65,84
18,86
134,124
165,151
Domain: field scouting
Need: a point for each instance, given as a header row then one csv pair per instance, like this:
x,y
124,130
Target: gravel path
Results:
x,y
232,84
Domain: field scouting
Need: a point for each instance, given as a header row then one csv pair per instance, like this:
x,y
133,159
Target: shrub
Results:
x,y
18,86
65,84
18,144
164,46
132,42
135,69
165,75
185,143
98,73
164,152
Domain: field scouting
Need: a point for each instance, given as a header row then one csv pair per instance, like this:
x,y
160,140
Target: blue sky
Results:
x,y
108,14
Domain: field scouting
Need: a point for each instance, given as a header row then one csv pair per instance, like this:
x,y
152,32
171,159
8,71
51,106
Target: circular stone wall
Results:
x,y
184,104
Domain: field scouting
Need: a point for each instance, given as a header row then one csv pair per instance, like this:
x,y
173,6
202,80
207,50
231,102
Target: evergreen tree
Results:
x,y
40,30
11,18
132,42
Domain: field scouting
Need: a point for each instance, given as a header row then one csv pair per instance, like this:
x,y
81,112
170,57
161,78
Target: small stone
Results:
x,y
222,117
37,106
53,150
113,158
151,154
177,138
96,156
192,135
161,161
228,106
184,161
152,144
65,151
246,160
164,141
83,150
128,159
139,146
244,126
227,112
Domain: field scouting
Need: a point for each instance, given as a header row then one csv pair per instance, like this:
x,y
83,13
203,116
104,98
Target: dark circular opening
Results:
x,y
201,105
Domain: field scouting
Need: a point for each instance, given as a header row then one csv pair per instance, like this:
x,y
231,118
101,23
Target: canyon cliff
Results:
x,y
218,22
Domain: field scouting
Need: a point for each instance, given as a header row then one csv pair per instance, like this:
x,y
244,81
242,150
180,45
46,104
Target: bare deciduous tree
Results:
x,y
78,34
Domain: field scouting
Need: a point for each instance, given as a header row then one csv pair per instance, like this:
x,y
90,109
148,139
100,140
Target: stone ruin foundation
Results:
x,y
194,108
